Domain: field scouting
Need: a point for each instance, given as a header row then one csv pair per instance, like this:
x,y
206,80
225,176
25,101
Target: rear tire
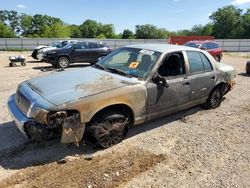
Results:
x,y
248,67
107,129
214,99
63,62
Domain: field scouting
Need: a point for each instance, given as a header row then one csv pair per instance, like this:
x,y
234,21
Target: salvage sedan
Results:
x,y
130,86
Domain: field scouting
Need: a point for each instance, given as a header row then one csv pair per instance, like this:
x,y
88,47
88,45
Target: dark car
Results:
x,y
39,50
80,51
248,67
210,46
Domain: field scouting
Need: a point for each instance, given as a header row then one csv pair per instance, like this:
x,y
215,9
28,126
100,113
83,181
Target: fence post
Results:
x,y
22,44
239,46
6,45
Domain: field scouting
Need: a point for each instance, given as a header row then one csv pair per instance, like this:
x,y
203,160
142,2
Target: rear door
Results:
x,y
201,75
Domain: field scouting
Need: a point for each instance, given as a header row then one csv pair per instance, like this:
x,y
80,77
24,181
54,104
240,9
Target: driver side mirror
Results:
x,y
158,79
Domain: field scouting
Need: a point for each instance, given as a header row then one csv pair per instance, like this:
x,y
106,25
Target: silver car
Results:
x,y
130,86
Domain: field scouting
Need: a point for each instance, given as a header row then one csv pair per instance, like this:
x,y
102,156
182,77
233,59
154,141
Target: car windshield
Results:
x,y
132,62
57,44
192,44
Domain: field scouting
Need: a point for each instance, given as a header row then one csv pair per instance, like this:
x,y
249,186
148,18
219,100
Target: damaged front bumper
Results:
x,y
72,129
19,118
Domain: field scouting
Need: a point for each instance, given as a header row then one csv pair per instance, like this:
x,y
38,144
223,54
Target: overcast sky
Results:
x,y
125,14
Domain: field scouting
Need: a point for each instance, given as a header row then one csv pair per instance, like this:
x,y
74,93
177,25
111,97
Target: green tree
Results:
x,y
3,16
25,24
5,31
200,30
149,32
75,31
127,34
107,30
89,29
246,25
59,30
227,22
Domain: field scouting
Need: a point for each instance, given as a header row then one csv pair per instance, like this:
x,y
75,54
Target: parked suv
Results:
x,y
210,46
80,51
39,50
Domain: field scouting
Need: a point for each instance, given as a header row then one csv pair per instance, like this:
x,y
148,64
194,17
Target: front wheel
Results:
x,y
214,99
108,129
63,62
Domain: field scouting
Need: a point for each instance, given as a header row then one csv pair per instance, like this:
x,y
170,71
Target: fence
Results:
x,y
231,45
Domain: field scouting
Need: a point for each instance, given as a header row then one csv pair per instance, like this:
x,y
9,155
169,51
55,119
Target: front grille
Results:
x,y
22,102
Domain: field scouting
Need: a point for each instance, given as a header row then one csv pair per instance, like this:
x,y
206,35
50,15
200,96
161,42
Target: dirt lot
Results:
x,y
193,148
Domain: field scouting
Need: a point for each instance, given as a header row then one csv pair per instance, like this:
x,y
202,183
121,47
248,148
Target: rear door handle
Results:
x,y
213,77
187,83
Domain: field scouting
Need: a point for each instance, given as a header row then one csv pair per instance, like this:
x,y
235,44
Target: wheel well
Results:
x,y
64,56
122,108
224,87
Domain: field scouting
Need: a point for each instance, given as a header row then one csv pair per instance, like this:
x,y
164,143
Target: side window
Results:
x,y
78,46
173,65
206,63
85,45
93,45
195,62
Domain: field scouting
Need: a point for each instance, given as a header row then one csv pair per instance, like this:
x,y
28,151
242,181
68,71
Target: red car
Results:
x,y
210,46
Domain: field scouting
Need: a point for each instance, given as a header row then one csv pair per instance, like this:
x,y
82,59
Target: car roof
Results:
x,y
161,47
200,41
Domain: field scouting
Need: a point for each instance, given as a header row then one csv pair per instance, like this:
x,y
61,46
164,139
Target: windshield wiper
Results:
x,y
118,71
98,66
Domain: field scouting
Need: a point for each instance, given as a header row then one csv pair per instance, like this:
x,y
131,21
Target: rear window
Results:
x,y
192,44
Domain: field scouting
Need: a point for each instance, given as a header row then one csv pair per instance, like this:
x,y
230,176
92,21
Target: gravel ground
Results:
x,y
192,148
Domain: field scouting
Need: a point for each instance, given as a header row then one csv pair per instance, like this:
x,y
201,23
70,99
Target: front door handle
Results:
x,y
213,77
187,83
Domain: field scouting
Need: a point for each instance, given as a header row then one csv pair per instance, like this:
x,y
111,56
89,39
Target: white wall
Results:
x,y
236,45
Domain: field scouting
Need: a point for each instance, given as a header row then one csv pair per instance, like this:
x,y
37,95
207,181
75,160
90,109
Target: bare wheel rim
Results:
x,y
63,62
215,98
110,132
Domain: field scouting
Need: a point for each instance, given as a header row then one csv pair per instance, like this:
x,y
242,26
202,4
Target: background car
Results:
x,y
248,67
81,51
37,52
210,46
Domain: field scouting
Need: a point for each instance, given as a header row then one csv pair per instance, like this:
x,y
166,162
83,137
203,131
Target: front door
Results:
x,y
77,52
164,99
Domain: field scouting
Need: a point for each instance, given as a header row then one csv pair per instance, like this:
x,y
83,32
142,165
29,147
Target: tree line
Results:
x,y
228,22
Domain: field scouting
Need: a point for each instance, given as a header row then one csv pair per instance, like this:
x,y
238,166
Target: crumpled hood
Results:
x,y
66,86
